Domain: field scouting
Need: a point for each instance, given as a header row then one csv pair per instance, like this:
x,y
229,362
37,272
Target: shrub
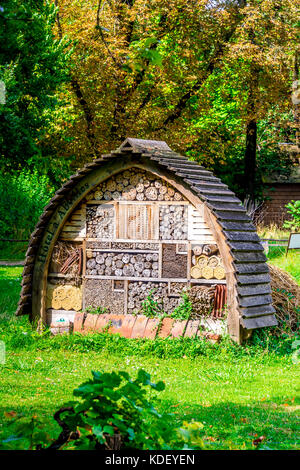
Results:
x,y
22,199
151,307
113,412
293,208
184,310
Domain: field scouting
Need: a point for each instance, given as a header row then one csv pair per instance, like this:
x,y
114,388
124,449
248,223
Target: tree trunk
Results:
x,y
250,159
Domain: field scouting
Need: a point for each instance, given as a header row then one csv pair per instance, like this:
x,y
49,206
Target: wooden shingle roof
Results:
x,y
249,261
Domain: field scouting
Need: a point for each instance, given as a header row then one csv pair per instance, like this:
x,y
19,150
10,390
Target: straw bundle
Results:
x,y
286,298
66,297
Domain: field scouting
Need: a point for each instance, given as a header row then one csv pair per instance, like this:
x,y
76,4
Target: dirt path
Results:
x,y
12,263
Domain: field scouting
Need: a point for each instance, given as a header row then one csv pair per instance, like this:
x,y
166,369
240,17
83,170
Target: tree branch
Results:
x,y
88,115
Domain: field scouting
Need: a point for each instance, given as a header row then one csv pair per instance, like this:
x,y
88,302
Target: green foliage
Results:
x,y
23,197
184,310
33,64
289,263
29,433
293,208
111,405
97,310
152,307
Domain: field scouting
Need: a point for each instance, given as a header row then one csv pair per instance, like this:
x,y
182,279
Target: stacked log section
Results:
x,y
202,299
100,221
135,185
122,264
174,265
207,266
176,288
173,223
64,297
99,293
139,291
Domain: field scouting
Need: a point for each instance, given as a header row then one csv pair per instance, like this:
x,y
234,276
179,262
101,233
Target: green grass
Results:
x,y
290,263
238,393
272,231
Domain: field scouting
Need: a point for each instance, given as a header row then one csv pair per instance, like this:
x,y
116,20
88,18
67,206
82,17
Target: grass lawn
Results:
x,y
290,263
237,397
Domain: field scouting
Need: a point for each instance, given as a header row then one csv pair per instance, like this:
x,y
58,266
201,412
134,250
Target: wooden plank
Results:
x,y
251,268
256,289
212,183
260,322
231,216
255,300
226,207
249,257
245,246
238,226
257,311
245,279
242,236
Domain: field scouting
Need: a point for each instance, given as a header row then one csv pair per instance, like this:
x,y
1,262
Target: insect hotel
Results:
x,y
143,221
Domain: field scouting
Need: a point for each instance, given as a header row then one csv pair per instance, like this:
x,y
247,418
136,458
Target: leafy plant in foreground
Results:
x,y
113,412
151,307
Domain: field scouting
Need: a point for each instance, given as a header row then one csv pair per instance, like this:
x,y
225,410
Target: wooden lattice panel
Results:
x,y
100,221
197,227
75,226
136,222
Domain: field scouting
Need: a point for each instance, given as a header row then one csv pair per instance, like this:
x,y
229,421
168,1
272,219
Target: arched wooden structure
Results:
x,y
140,217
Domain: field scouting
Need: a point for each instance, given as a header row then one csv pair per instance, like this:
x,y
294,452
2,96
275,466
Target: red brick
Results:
x,y
127,325
166,327
102,321
178,328
78,320
90,322
139,326
192,328
116,323
212,337
151,328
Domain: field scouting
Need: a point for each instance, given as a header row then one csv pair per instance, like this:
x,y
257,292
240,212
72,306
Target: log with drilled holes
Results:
x,y
123,264
201,298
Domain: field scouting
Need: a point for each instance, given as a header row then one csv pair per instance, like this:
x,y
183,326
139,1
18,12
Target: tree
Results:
x,y
206,76
33,65
202,75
